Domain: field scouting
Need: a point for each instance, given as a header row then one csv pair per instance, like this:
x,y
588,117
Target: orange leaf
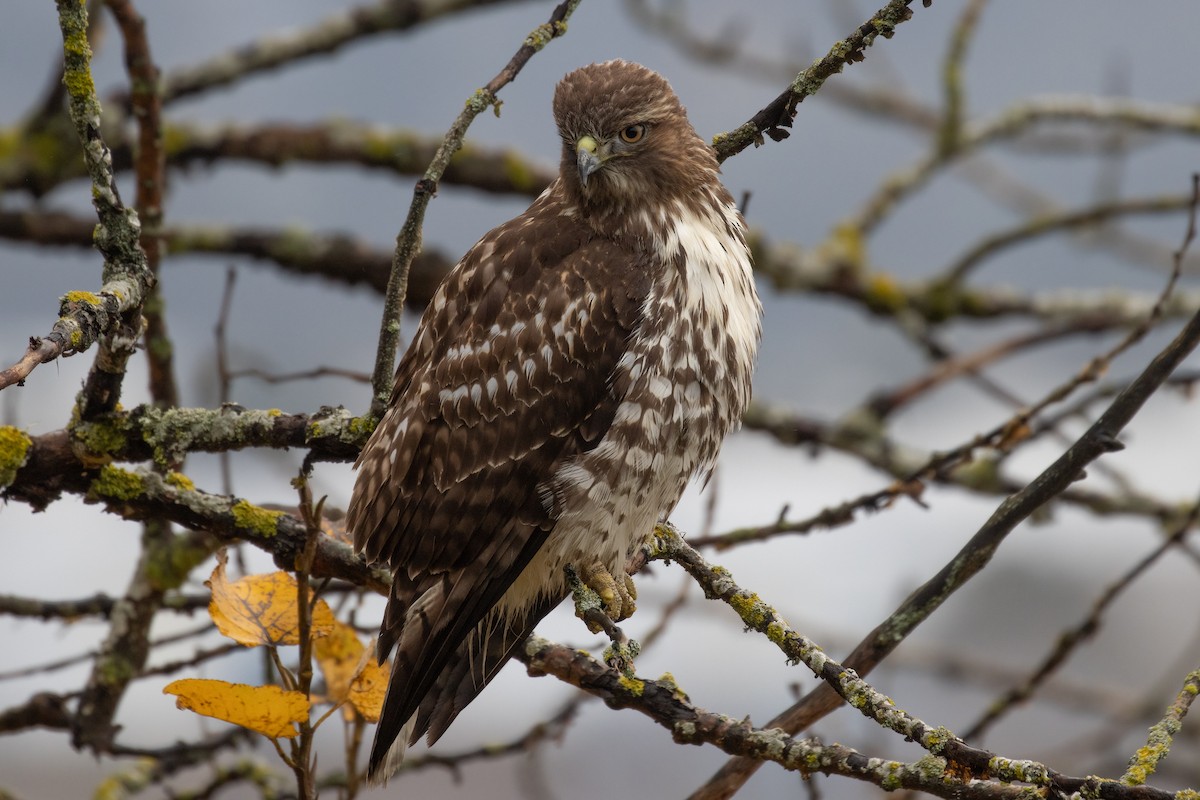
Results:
x,y
262,609
269,710
338,655
368,689
351,673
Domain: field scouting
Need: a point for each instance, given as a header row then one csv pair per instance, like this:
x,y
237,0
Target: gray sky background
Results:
x,y
818,355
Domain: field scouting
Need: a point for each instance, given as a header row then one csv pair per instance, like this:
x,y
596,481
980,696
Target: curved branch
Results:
x,y
668,705
499,171
323,38
335,256
777,117
1008,124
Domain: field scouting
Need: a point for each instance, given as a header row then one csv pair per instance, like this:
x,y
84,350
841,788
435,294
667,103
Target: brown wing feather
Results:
x,y
508,375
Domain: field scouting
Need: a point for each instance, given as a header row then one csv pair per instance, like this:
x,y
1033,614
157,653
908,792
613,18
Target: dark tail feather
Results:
x,y
477,661
408,715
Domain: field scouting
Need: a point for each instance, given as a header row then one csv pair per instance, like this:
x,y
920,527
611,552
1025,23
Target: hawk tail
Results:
x,y
430,683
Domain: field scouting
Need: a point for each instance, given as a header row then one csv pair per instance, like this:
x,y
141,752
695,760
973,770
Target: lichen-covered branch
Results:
x,y
776,118
188,145
323,38
124,650
336,257
36,469
150,173
663,701
952,83
1158,744
142,493
953,756
84,317
1100,438
1157,118
838,268
830,269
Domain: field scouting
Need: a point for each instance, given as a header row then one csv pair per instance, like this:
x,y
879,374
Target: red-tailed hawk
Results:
x,y
578,366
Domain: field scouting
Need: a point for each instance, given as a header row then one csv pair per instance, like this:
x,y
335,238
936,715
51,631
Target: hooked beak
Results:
x,y
588,157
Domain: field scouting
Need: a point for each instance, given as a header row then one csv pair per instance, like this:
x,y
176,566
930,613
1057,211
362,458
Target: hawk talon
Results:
x,y
590,607
616,596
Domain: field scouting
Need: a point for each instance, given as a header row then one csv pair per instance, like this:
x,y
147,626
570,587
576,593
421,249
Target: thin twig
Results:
x,y
775,119
408,242
1067,642
84,317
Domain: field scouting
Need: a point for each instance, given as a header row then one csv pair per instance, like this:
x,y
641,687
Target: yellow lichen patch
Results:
x,y
751,609
180,481
777,632
361,427
261,521
269,710
882,291
96,442
174,139
845,245
10,141
632,685
115,483
77,77
85,298
667,681
14,450
262,609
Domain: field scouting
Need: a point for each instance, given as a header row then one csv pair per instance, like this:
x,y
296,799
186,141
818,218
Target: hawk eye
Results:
x,y
633,134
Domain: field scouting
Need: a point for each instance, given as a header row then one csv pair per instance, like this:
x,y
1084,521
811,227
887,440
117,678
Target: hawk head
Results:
x,y
626,138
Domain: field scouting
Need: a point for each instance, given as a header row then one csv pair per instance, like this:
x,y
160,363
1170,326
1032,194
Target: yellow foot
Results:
x,y
598,593
617,595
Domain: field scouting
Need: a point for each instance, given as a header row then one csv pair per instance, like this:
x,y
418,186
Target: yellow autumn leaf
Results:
x,y
368,689
269,710
261,609
351,673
